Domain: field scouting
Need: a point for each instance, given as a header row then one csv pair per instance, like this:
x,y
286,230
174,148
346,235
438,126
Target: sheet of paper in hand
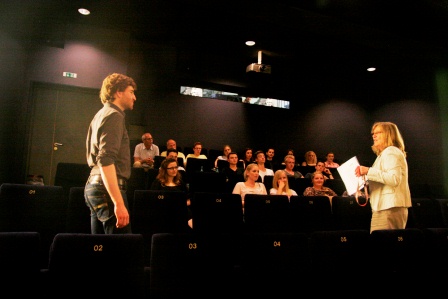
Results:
x,y
347,172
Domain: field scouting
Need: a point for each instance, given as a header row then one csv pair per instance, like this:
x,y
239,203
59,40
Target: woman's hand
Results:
x,y
361,170
281,185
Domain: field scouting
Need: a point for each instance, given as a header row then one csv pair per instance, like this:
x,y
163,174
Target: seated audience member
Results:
x,y
171,143
280,185
270,162
172,153
197,148
288,152
290,162
250,184
318,189
233,173
226,150
145,152
310,159
329,163
169,179
260,160
320,166
247,157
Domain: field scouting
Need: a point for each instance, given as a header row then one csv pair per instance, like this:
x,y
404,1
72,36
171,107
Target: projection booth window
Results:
x,y
234,97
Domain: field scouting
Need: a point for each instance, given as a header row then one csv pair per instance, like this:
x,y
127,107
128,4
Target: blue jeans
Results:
x,y
102,216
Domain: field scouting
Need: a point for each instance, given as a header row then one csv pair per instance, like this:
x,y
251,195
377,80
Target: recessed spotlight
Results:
x,y
250,43
371,69
84,11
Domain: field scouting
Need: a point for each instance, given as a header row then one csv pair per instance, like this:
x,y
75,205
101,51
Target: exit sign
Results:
x,y
69,75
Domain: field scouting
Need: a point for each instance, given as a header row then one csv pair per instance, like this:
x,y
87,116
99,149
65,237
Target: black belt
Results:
x,y
96,179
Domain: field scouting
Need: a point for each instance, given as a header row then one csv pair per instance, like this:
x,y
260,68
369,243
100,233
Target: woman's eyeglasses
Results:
x,y
172,168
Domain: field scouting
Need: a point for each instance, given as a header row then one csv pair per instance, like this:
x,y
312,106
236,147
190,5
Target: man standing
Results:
x,y
145,152
108,156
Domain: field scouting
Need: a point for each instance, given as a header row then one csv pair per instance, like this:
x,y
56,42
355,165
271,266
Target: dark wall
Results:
x,y
329,118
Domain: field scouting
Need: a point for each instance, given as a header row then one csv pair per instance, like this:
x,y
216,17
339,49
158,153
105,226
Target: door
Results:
x,y
58,127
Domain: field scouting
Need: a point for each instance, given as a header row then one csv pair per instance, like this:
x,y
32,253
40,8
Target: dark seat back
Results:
x,y
20,263
349,214
33,208
424,213
399,253
337,185
436,242
340,253
274,263
443,206
310,213
158,211
184,263
266,213
83,263
78,213
217,212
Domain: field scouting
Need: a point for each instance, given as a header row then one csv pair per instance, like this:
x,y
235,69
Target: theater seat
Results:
x,y
96,266
266,213
217,212
349,214
20,263
398,253
78,213
42,209
424,213
185,265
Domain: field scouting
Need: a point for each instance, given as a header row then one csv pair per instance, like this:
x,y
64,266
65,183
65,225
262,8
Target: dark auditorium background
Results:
x,y
318,51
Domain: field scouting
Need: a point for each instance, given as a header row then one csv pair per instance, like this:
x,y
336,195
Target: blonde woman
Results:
x,y
310,159
280,185
388,187
250,184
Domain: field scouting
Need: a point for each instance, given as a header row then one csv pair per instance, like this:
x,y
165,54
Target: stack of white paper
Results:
x,y
347,172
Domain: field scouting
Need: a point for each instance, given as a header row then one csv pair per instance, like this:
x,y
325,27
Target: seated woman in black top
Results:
x,y
170,179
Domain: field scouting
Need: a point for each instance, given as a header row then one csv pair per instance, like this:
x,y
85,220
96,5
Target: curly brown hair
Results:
x,y
113,83
163,172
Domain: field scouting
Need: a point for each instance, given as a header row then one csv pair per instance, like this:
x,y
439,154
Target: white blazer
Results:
x,y
388,180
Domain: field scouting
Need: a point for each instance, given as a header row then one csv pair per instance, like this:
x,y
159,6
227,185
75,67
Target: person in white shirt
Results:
x,y
390,195
172,153
171,143
197,148
260,159
145,152
250,184
280,185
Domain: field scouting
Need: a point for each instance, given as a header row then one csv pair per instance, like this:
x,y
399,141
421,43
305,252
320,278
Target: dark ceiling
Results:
x,y
303,38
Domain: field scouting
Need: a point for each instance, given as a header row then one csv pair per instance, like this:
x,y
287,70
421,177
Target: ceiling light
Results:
x,y
250,43
84,11
371,69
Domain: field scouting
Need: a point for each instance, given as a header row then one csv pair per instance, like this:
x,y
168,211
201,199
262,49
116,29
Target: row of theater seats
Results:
x,y
46,209
346,262
75,175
